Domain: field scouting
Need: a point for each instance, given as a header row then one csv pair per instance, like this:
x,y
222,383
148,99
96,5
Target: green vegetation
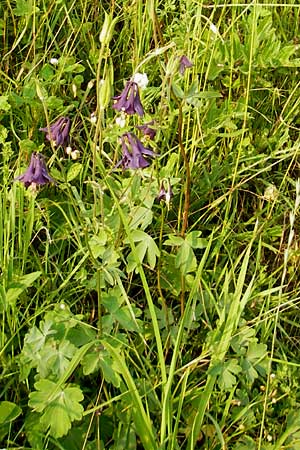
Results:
x,y
149,289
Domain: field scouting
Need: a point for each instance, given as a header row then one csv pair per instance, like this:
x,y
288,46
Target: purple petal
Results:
x,y
36,173
58,132
147,131
129,100
184,63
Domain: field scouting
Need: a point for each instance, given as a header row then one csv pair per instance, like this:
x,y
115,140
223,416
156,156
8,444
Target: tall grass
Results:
x,y
133,322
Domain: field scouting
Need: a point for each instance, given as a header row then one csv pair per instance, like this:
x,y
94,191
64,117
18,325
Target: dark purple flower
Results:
x,y
37,173
133,153
164,194
147,131
58,132
184,63
129,100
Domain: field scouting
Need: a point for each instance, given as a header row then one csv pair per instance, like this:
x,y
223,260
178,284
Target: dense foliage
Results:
x,y
149,234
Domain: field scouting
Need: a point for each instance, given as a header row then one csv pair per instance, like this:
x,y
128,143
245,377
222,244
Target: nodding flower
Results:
x,y
58,132
133,153
165,194
129,100
184,63
147,130
37,173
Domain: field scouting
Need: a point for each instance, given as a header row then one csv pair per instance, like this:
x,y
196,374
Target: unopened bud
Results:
x,y
75,154
104,93
107,29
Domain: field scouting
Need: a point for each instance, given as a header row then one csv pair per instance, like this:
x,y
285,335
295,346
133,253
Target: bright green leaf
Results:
x,y
9,411
4,105
185,258
174,241
60,406
74,171
97,244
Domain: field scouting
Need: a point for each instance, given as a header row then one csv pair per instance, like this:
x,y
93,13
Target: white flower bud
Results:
x,y
93,118
141,80
75,154
121,121
54,61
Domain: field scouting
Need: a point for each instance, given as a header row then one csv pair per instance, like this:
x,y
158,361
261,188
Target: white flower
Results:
x,y
141,80
213,28
93,117
68,150
54,61
121,121
75,154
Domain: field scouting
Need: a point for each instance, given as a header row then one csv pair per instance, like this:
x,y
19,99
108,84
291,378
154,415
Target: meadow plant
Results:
x,y
36,174
154,307
129,100
58,132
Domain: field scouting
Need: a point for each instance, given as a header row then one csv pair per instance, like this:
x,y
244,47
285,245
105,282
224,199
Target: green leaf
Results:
x,y
194,240
97,244
185,258
9,411
178,92
74,68
3,134
60,358
99,359
16,288
74,171
33,342
227,378
146,244
174,241
125,318
24,8
252,362
256,351
53,103
4,105
60,406
140,217
91,361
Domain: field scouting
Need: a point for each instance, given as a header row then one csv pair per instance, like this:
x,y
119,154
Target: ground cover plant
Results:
x,y
149,225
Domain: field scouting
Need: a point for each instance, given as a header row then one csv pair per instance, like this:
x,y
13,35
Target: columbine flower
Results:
x,y
141,80
58,132
164,194
184,63
129,100
134,158
147,131
37,173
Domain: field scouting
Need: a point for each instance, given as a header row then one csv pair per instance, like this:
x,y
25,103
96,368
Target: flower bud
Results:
x,y
107,29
